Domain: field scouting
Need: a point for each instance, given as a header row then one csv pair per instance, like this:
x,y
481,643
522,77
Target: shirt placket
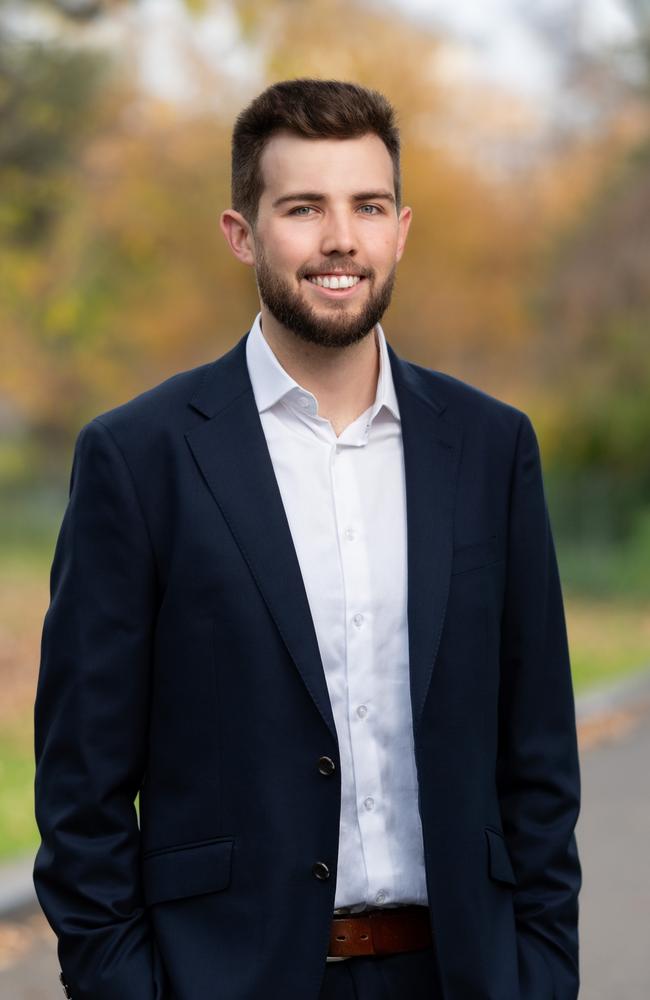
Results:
x,y
363,707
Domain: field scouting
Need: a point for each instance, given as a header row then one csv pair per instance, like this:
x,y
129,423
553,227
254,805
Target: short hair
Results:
x,y
313,109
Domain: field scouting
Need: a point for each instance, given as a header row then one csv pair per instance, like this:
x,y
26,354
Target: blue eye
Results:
x,y
375,209
300,209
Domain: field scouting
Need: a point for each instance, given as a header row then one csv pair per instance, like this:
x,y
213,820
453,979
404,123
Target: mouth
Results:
x,y
335,286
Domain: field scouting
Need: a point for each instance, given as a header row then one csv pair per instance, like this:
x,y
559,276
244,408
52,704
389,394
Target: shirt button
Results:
x,y
350,534
369,803
320,871
358,620
303,401
380,897
362,711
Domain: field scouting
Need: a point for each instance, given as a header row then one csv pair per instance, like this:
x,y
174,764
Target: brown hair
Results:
x,y
314,109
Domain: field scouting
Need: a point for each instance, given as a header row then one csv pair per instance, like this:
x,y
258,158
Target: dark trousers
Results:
x,y
406,976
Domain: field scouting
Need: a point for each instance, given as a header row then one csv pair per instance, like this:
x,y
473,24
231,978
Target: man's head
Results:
x,y
316,197
311,109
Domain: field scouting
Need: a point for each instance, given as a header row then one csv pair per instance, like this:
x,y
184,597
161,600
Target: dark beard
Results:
x,y
333,331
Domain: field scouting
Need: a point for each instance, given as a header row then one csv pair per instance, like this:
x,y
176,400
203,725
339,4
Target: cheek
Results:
x,y
384,250
292,248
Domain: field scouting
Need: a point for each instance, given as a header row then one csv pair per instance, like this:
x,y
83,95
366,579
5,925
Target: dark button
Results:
x,y
321,871
326,765
66,988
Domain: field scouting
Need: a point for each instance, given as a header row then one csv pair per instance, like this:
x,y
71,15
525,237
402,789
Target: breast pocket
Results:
x,y
476,554
187,870
499,864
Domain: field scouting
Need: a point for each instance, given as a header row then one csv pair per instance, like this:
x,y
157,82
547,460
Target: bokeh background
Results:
x,y
526,138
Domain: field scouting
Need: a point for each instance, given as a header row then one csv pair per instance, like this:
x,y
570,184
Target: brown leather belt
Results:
x,y
380,932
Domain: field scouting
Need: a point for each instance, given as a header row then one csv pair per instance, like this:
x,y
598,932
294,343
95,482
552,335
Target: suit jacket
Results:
x,y
180,662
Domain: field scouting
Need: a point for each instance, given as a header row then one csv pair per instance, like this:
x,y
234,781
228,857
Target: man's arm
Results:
x,y
537,772
91,730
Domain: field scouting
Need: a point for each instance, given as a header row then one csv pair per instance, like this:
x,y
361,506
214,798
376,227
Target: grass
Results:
x,y
23,600
609,638
18,832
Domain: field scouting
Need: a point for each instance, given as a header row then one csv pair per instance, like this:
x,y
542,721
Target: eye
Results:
x,y
301,210
374,209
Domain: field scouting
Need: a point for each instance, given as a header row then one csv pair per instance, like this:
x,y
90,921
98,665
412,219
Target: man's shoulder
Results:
x,y
460,401
157,405
166,406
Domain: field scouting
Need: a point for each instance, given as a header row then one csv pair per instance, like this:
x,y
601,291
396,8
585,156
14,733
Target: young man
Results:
x,y
305,602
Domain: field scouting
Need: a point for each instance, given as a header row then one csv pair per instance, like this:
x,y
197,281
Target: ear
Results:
x,y
239,235
403,224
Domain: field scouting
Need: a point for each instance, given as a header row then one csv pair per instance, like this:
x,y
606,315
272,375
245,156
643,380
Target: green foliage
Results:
x,y
46,95
596,368
597,566
49,98
88,10
31,518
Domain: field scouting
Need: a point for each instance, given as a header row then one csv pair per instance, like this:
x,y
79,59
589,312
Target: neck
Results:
x,y
343,379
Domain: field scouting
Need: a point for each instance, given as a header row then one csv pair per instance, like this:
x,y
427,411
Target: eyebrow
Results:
x,y
317,196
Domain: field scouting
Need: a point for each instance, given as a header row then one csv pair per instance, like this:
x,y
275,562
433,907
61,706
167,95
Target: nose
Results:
x,y
338,235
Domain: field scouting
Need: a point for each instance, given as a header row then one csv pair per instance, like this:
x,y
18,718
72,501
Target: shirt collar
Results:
x,y
271,382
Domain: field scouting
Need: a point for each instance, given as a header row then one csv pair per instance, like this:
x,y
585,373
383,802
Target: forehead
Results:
x,y
291,163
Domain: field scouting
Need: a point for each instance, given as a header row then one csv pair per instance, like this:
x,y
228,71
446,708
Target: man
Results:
x,y
305,603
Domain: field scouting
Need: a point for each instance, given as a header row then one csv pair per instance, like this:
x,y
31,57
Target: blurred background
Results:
x,y
526,159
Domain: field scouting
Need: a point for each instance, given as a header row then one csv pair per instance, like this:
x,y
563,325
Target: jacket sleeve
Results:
x,y
537,770
91,730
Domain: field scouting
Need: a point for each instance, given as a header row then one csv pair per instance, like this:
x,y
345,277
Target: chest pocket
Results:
x,y
469,557
499,863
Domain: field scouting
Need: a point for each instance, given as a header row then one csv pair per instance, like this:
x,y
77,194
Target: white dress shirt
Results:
x,y
345,502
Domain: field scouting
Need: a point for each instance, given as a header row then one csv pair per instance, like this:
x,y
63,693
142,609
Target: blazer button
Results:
x,y
321,871
326,765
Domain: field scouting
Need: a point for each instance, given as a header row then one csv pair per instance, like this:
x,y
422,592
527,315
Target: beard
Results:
x,y
340,328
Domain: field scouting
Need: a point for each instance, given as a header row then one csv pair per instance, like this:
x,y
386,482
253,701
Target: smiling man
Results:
x,y
306,216
324,238
305,602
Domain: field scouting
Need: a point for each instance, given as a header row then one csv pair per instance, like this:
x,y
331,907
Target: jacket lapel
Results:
x,y
231,452
431,454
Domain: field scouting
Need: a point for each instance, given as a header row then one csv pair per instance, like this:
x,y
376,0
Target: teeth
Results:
x,y
335,281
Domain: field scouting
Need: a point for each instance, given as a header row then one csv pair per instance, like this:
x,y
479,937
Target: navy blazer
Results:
x,y
180,663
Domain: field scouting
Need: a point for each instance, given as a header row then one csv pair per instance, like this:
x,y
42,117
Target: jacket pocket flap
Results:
x,y
187,871
469,557
500,866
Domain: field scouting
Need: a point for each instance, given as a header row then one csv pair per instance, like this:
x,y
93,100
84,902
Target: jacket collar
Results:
x,y
227,377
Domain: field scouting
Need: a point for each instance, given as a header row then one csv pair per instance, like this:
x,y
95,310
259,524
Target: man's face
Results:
x,y
327,216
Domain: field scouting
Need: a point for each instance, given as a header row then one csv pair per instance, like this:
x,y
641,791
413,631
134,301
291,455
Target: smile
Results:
x,y
334,280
